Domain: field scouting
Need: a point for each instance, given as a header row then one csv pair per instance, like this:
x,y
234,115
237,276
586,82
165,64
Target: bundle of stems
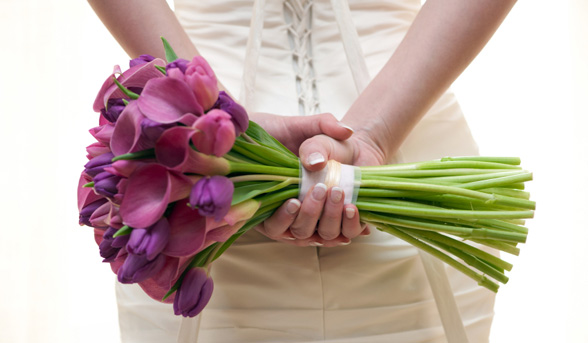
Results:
x,y
450,207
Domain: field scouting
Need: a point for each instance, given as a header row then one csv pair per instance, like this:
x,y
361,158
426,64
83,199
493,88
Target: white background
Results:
x,y
526,95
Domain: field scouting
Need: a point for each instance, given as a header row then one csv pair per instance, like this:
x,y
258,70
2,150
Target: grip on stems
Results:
x,y
345,176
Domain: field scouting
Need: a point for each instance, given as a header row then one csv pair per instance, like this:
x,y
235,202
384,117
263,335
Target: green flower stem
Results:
x,y
513,193
492,260
459,179
278,197
264,177
442,213
426,188
498,245
368,173
473,261
237,167
249,139
499,201
498,182
143,154
461,231
253,156
481,279
505,160
441,165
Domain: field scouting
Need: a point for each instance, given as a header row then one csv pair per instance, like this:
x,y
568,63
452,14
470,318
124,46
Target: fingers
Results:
x,y
333,128
316,151
330,223
275,226
351,227
310,211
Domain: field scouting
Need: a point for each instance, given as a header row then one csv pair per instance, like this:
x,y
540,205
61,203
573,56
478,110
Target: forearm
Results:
x,y
137,25
444,38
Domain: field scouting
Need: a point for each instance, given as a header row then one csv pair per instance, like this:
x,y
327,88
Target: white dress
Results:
x,y
373,290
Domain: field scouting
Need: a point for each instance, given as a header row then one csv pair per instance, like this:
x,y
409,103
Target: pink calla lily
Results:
x,y
159,284
136,76
221,234
125,168
173,151
187,231
127,135
149,190
86,195
240,212
169,100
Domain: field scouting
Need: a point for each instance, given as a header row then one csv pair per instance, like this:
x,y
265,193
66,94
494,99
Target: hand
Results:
x,y
293,131
296,223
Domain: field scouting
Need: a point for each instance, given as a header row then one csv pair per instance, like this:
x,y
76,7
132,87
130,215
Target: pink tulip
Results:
x,y
103,133
97,149
201,79
216,134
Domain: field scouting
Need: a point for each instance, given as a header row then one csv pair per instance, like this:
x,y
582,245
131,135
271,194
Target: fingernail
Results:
x,y
345,126
315,244
319,191
349,212
315,158
293,206
336,194
288,238
345,243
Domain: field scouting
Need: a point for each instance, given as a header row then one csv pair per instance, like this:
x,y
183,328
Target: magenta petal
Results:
x,y
136,76
99,102
124,168
103,133
187,231
127,131
173,151
159,284
97,149
146,196
167,100
221,234
86,195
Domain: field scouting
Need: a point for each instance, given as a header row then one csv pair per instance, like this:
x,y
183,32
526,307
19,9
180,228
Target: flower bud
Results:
x,y
114,108
194,293
98,163
143,59
106,183
238,114
137,268
150,241
89,209
212,196
216,134
201,79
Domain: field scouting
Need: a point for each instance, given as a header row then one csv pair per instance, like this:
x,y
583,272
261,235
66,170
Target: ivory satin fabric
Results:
x,y
373,290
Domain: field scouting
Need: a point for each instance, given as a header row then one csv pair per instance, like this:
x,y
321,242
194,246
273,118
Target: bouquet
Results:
x,y
178,173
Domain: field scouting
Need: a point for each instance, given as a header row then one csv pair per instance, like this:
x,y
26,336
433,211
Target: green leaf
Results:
x,y
126,91
267,153
262,137
89,185
170,54
125,230
148,153
253,189
161,69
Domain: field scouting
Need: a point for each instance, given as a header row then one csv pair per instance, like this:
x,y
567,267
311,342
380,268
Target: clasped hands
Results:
x,y
321,219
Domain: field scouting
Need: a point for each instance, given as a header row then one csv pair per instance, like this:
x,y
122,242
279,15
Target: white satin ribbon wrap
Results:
x,y
345,176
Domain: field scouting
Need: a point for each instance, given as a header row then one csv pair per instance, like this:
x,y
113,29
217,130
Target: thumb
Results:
x,y
316,151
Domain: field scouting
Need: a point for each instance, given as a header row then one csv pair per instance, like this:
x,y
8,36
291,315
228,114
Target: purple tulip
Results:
x,y
89,209
143,59
212,196
150,241
216,134
137,268
152,130
201,79
98,163
106,183
110,246
194,293
180,64
114,108
237,112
